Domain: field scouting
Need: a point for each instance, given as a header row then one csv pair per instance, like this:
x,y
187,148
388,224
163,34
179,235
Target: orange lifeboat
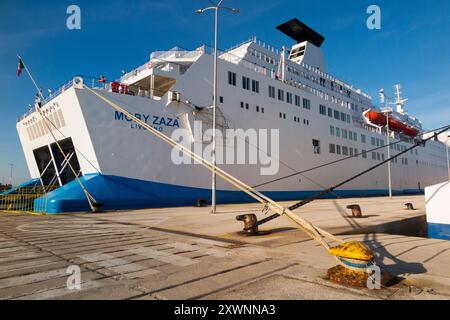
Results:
x,y
396,125
411,131
378,118
375,117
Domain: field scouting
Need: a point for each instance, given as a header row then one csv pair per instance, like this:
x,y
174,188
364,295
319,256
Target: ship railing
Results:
x,y
177,54
135,72
87,80
307,67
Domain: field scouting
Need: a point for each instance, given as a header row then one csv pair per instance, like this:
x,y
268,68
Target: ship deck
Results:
x,y
187,253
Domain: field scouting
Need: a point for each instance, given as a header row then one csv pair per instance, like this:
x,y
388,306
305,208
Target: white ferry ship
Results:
x,y
319,117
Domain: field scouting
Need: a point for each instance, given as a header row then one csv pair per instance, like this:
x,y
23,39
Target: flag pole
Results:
x,y
31,77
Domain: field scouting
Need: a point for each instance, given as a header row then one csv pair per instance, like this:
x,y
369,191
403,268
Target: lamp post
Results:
x,y
448,160
216,7
388,141
11,175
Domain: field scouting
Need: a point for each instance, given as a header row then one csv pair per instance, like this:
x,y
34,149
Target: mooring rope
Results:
x,y
311,230
339,160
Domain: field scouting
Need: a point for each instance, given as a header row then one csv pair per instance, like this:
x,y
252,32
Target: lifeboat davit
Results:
x,y
378,118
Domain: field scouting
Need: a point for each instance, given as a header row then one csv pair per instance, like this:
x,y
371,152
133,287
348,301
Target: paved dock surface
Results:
x,y
187,253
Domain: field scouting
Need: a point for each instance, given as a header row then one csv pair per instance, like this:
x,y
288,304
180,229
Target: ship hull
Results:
x,y
109,146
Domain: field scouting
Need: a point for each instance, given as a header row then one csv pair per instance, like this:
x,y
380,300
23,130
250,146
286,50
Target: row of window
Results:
x,y
246,106
345,150
346,134
290,98
336,114
281,95
247,83
296,119
349,151
376,142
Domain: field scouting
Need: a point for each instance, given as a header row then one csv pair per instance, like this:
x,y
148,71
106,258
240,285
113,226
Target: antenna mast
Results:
x,y
400,102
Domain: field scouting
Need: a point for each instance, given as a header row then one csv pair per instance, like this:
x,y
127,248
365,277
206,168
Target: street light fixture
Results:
x,y
216,7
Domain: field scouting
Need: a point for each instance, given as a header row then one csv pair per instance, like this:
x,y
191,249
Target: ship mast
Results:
x,y
399,102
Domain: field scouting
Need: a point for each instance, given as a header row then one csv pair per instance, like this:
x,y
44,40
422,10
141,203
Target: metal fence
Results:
x,y
26,199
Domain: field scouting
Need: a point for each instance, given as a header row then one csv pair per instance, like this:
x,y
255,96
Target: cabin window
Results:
x,y
332,148
271,92
331,131
255,86
338,132
363,138
297,100
364,154
316,146
257,108
345,151
338,149
280,95
231,78
343,117
289,97
323,110
306,104
245,83
330,112
337,114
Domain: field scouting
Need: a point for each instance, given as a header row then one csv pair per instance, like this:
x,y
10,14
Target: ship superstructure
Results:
x,y
319,118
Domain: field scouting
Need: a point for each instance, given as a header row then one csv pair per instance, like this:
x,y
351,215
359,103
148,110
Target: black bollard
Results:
x,y
250,224
356,210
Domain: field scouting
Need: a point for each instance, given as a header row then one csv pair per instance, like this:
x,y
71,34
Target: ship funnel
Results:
x,y
307,49
300,32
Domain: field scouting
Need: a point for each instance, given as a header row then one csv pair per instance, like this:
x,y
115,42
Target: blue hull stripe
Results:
x,y
119,193
439,231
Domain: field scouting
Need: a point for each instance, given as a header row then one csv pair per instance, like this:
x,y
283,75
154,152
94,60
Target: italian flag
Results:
x,y
20,67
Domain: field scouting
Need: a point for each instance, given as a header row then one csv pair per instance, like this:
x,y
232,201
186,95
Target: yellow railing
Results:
x,y
26,199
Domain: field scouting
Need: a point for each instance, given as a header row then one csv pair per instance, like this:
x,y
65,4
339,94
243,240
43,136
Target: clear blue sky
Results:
x,y
412,48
